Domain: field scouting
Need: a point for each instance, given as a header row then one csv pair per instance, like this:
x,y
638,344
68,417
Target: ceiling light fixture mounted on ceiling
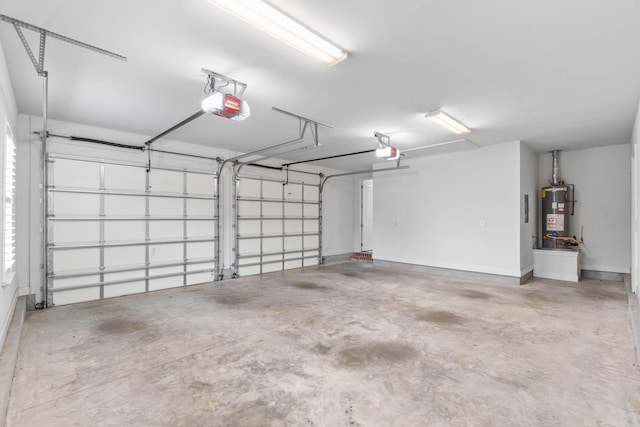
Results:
x,y
447,122
272,21
385,150
224,104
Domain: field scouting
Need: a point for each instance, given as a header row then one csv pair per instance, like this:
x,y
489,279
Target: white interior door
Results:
x,y
367,215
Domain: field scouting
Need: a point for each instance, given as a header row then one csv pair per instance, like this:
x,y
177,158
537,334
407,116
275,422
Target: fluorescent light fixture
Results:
x,y
265,17
447,122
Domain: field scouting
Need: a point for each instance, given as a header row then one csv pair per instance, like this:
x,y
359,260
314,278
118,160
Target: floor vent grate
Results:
x,y
362,256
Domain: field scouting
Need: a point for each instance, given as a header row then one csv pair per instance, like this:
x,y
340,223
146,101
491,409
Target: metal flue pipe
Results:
x,y
555,168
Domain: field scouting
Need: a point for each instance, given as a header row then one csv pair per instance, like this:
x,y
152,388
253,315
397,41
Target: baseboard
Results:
x,y
634,318
335,259
451,272
610,268
9,355
626,278
526,277
603,275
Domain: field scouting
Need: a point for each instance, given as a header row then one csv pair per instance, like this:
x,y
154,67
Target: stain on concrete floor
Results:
x,y
231,299
440,317
309,286
390,350
470,293
121,326
374,353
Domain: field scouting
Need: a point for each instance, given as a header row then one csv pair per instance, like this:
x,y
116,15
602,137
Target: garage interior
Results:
x,y
246,212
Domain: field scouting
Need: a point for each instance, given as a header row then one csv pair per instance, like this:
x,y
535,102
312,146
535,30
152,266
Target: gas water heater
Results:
x,y
557,209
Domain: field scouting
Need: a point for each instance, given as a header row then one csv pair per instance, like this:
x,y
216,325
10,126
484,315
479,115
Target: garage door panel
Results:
x,y
117,177
311,226
270,268
272,227
75,259
311,193
115,231
75,174
124,205
70,282
311,210
249,246
293,209
278,210
310,261
173,230
311,241
272,209
292,243
249,187
249,270
292,264
293,192
272,190
133,221
124,256
201,250
248,227
128,288
199,278
75,232
201,228
75,296
272,244
248,208
174,279
201,184
76,204
164,181
163,206
166,253
201,207
293,226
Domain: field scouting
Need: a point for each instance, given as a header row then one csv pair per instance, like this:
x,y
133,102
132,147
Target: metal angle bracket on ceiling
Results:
x,y
213,77
39,63
303,122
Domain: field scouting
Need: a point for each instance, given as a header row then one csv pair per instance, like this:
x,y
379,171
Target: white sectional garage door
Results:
x,y
278,225
114,229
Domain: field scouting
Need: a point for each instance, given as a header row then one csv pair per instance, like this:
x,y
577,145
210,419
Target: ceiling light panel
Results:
x,y
447,122
277,24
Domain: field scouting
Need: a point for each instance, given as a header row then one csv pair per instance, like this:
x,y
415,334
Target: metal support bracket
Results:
x,y
213,78
303,123
38,64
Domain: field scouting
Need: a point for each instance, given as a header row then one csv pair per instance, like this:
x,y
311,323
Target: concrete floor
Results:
x,y
347,344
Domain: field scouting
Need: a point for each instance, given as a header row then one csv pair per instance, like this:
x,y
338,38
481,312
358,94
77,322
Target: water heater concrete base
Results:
x,y
559,264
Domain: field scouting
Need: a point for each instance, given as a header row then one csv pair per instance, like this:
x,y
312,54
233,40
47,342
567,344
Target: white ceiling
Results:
x,y
555,74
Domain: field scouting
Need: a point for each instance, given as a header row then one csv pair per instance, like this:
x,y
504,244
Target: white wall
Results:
x,y
337,222
529,187
602,177
635,205
8,113
458,211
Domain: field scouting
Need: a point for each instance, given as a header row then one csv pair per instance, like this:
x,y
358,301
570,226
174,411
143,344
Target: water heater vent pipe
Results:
x,y
555,154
